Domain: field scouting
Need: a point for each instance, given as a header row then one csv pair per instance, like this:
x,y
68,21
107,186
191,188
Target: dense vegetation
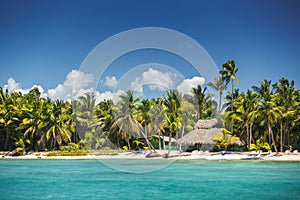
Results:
x,y
267,113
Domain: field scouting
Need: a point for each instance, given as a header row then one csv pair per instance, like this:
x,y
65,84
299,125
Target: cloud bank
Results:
x,y
78,83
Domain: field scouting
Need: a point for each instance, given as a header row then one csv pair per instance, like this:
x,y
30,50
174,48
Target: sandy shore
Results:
x,y
173,155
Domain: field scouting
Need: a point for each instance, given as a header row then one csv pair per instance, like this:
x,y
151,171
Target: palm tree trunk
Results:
x,y
272,136
182,133
281,141
232,99
200,112
159,142
6,140
144,135
250,134
220,100
128,142
248,138
169,145
177,133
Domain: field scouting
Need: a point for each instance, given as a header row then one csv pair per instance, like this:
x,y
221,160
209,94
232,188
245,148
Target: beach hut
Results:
x,y
201,136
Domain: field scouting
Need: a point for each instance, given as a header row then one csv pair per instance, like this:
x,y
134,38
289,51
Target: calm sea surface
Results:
x,y
197,179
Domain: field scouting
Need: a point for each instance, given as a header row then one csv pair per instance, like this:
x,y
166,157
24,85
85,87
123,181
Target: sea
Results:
x,y
135,179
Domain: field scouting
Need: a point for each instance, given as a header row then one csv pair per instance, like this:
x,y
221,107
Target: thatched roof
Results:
x,y
207,124
200,136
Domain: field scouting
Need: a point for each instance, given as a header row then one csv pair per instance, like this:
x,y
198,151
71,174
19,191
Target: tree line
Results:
x,y
267,112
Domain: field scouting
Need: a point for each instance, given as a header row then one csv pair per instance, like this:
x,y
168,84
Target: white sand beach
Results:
x,y
173,155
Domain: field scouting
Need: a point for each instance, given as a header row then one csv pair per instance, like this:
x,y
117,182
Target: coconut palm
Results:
x,y
173,103
58,129
157,116
34,111
285,97
228,73
219,86
9,116
144,113
201,99
172,123
224,140
268,109
245,112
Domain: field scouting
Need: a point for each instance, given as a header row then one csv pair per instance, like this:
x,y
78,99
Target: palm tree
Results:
x,y
219,86
224,140
228,73
187,117
33,109
268,109
285,97
172,123
245,112
144,112
173,106
9,115
157,115
57,128
201,99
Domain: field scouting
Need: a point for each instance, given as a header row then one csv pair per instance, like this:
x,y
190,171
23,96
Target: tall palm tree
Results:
x,y
9,115
201,99
157,115
228,73
172,123
144,112
57,129
268,109
245,112
173,104
285,97
34,111
219,86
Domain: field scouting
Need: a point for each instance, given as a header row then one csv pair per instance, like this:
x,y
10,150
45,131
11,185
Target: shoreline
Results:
x,y
173,156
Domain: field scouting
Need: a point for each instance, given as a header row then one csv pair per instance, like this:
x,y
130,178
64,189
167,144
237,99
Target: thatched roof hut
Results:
x,y
206,124
200,136
203,132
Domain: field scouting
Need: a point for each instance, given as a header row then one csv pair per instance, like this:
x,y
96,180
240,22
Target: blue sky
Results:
x,y
41,42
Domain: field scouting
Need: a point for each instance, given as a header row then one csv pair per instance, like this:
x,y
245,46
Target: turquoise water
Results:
x,y
198,179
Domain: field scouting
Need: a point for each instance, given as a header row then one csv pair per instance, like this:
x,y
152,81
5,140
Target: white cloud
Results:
x,y
186,85
76,84
108,95
156,80
111,82
13,86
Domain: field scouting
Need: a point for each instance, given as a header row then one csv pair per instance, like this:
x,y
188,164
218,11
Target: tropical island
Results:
x,y
263,119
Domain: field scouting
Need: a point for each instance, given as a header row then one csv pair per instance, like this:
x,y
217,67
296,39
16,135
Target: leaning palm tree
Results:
x,y
126,119
219,86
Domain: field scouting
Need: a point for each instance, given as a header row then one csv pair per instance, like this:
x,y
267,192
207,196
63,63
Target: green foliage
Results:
x,y
223,141
269,112
260,145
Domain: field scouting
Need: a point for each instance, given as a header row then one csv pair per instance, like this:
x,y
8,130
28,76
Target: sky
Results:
x,y
44,43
